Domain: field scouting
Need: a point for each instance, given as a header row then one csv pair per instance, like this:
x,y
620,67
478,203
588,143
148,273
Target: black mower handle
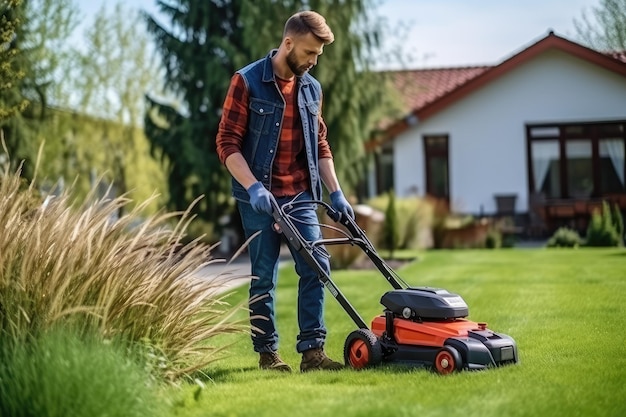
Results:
x,y
305,248
335,215
338,217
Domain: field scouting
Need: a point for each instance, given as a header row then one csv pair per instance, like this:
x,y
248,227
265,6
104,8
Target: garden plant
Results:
x,y
78,269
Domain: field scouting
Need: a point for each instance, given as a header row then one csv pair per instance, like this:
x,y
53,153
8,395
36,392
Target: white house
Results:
x,y
542,132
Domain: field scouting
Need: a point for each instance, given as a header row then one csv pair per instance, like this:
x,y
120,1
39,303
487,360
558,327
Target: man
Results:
x,y
272,139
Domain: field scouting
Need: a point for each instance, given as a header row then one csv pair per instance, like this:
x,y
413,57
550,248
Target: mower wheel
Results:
x,y
362,349
447,361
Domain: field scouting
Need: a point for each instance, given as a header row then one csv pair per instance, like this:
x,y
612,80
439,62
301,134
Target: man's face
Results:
x,y
303,53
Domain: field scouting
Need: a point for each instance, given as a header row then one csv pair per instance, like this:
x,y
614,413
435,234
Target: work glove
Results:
x,y
260,198
338,202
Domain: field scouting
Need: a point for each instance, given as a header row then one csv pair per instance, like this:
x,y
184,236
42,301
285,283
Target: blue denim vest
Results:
x,y
265,118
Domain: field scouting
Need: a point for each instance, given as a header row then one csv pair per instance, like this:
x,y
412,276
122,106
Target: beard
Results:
x,y
292,63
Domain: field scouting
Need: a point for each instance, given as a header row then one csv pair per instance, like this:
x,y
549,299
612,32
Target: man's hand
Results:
x,y
338,202
260,198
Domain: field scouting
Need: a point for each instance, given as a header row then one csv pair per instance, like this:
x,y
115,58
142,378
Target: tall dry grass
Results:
x,y
76,265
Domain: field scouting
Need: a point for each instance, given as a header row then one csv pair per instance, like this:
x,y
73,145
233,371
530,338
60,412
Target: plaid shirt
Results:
x,y
290,174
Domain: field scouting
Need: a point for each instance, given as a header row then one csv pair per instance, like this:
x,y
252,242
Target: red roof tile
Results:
x,y
420,87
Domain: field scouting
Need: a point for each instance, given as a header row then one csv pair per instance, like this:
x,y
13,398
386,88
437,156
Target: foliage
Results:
x,y
565,237
76,152
200,47
604,28
121,69
9,74
44,58
494,239
601,230
60,374
618,223
390,228
78,147
50,58
414,216
124,278
517,292
14,69
90,124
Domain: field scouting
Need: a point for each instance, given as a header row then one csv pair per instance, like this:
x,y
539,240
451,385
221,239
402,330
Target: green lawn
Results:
x,y
566,309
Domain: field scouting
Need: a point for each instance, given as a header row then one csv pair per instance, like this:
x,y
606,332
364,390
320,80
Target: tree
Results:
x,y
49,24
112,77
41,39
9,74
49,60
203,46
87,105
604,28
18,137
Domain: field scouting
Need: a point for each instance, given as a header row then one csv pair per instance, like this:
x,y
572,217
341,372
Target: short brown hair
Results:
x,y
309,21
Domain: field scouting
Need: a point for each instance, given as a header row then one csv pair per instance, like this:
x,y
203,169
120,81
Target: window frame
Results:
x,y
429,154
564,132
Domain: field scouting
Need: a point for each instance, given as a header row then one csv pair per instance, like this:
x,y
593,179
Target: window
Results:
x,y
579,168
546,167
612,166
385,170
577,160
437,181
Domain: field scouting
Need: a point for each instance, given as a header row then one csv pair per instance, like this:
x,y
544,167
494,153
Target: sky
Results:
x,y
452,33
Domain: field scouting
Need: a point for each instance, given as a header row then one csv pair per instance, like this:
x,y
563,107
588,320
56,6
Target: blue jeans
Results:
x,y
264,255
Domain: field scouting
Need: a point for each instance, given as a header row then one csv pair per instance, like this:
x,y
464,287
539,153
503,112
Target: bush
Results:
x,y
565,238
601,231
59,374
390,229
618,223
493,239
85,268
414,216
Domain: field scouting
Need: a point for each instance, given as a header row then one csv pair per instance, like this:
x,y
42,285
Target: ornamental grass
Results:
x,y
79,266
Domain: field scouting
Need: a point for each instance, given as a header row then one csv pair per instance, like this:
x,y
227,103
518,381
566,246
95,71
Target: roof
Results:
x,y
425,92
423,86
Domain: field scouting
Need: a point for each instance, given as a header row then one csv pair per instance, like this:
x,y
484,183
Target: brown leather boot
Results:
x,y
271,360
316,359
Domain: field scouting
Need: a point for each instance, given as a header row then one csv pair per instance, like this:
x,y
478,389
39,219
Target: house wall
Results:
x,y
486,129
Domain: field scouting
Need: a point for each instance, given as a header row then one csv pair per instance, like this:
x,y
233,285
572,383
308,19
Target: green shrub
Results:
x,y
565,238
414,216
59,375
390,228
493,239
618,223
601,231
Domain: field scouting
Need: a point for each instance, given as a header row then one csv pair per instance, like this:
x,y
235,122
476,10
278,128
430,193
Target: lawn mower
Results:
x,y
419,326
